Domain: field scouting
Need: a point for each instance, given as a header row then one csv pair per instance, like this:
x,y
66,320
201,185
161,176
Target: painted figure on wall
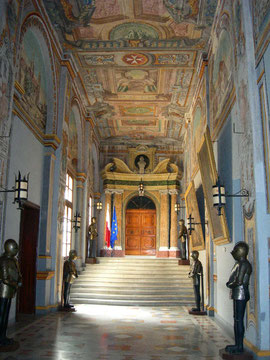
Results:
x,y
72,141
221,74
239,285
10,280
32,78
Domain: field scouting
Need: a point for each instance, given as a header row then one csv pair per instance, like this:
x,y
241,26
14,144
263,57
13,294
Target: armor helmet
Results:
x,y
93,219
240,250
11,247
195,254
73,255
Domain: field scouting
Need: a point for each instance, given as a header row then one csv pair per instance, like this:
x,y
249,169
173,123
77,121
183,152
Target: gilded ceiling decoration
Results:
x,y
137,60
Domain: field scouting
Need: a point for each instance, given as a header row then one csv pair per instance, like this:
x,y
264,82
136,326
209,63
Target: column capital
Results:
x,y
114,191
164,192
173,192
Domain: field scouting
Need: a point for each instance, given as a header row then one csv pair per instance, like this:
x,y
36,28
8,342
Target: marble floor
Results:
x,y
96,332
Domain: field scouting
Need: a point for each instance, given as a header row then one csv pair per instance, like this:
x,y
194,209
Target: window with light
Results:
x,y
67,228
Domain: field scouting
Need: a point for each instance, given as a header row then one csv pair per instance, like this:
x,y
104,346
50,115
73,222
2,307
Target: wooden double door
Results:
x,y
140,232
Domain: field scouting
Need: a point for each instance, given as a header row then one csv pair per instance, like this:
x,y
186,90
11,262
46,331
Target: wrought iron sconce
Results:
x,y
190,224
219,195
77,221
20,190
99,205
177,207
141,189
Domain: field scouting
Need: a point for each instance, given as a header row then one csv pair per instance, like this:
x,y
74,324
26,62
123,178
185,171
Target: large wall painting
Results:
x,y
266,141
134,31
250,236
32,78
218,224
221,81
261,22
72,142
9,20
192,208
137,81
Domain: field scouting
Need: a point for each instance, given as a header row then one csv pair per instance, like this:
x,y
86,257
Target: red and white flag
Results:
x,y
108,228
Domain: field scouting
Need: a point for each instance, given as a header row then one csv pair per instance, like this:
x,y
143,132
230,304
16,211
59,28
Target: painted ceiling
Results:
x,y
137,62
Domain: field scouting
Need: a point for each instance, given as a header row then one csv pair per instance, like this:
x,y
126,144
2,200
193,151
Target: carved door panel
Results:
x,y
140,232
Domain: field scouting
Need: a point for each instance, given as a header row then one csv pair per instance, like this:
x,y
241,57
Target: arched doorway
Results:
x,y
140,226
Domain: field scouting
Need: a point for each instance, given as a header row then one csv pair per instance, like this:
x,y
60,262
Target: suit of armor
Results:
x,y
93,235
238,283
69,275
10,280
183,239
195,273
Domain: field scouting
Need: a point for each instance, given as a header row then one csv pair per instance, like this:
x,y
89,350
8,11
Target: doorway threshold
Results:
x,y
140,257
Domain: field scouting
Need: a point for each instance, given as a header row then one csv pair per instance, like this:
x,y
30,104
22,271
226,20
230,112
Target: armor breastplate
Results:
x,y
9,273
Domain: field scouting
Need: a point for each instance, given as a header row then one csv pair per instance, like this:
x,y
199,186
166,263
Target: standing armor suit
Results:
x,y
195,273
239,285
92,230
10,280
69,275
183,239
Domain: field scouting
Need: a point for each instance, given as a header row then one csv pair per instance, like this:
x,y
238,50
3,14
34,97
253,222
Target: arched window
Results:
x,y
67,230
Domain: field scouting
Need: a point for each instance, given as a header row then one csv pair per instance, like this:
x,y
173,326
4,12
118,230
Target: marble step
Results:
x,y
140,297
132,302
132,286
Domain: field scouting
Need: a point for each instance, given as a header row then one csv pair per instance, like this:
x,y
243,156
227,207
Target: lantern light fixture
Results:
x,y
99,205
177,207
219,195
77,221
191,223
20,190
141,188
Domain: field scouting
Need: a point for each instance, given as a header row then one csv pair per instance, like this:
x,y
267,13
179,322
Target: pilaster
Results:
x,y
164,223
174,250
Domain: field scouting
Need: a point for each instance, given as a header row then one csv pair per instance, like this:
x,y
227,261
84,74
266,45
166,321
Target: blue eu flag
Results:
x,y
114,229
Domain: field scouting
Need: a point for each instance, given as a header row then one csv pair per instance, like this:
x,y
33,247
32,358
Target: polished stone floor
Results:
x,y
119,333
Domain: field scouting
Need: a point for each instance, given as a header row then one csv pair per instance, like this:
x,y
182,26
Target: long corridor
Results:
x,y
100,332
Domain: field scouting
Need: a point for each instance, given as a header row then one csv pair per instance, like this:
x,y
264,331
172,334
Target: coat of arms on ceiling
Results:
x,y
135,59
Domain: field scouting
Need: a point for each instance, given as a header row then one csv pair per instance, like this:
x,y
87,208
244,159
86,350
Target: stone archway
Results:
x,y
140,229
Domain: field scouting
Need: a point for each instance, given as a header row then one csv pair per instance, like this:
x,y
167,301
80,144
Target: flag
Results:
x,y
108,227
114,231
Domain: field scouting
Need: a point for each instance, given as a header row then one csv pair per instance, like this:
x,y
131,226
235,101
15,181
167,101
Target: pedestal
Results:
x,y
12,347
183,262
243,356
65,309
91,260
197,312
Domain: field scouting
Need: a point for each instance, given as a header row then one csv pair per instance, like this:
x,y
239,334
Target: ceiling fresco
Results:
x,y
137,62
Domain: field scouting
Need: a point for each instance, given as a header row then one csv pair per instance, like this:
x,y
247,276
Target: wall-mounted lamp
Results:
x,y
190,224
219,195
77,221
20,190
141,189
99,205
177,207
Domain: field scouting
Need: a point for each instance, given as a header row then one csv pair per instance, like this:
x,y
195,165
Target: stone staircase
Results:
x,y
133,281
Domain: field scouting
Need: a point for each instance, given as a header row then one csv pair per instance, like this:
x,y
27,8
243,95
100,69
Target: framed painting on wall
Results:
x,y
218,224
266,143
192,208
250,239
